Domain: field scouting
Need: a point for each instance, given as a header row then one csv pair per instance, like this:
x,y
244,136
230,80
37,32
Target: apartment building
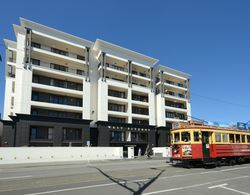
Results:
x,y
64,90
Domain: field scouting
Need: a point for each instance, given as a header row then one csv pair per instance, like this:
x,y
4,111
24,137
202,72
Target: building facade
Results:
x,y
95,91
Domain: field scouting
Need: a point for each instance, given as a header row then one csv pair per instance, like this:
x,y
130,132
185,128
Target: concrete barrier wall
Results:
x,y
162,151
12,155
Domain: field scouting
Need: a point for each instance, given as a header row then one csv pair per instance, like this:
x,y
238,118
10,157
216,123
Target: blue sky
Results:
x,y
208,39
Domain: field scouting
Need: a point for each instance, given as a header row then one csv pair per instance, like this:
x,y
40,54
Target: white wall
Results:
x,y
163,151
13,155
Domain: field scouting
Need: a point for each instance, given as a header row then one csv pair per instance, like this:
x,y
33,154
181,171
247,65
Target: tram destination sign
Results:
x,y
242,126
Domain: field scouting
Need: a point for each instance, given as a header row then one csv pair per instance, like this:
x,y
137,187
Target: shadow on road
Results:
x,y
142,185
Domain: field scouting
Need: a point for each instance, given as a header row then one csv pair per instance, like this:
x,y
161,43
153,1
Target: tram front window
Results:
x,y
176,137
185,136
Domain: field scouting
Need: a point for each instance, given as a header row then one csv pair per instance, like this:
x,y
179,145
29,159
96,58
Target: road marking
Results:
x,y
217,186
227,188
20,177
194,186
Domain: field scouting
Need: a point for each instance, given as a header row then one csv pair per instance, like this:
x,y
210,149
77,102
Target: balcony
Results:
x,y
115,67
116,107
56,99
139,98
174,95
117,94
175,105
175,85
175,115
141,111
57,83
141,75
57,68
58,53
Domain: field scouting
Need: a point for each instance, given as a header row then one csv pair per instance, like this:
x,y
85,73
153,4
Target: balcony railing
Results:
x,y
175,105
116,107
117,67
140,74
57,67
176,84
57,51
175,115
176,95
142,111
139,98
118,94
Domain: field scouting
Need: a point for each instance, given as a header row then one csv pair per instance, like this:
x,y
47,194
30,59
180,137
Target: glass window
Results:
x,y
237,138
176,137
35,61
231,138
33,133
218,137
248,138
196,136
243,138
224,137
185,136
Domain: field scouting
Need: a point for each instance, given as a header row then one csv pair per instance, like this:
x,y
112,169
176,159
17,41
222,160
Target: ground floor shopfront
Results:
x,y
27,130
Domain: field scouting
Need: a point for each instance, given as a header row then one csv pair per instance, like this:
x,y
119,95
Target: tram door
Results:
x,y
205,144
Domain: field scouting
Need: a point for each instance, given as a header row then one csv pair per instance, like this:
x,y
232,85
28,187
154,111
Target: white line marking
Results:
x,y
193,186
227,188
217,186
71,189
240,192
9,178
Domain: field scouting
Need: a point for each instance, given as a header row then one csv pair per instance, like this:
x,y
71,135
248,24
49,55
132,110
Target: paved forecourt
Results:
x,y
123,177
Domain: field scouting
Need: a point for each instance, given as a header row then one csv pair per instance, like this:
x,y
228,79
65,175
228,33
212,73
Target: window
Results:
x,y
185,136
231,138
196,136
117,136
35,61
80,72
224,137
79,57
59,51
243,138
72,134
13,86
37,45
218,137
40,132
12,101
35,96
176,137
59,67
248,138
237,138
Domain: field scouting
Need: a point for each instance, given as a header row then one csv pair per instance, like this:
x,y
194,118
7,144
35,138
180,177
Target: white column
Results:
x,y
129,110
160,110
102,100
86,100
151,100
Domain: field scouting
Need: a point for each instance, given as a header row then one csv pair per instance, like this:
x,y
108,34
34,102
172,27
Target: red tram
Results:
x,y
209,145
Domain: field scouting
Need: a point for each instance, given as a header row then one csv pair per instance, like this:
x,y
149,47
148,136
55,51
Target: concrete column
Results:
x,y
161,83
129,109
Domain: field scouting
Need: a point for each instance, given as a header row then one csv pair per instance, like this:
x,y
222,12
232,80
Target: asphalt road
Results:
x,y
123,177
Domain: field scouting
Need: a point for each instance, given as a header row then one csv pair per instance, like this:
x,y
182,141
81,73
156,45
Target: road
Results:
x,y
122,177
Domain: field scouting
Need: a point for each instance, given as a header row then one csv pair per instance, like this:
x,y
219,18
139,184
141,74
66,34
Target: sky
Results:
x,y
209,39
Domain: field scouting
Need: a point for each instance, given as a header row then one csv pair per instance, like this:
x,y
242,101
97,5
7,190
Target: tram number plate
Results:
x,y
207,146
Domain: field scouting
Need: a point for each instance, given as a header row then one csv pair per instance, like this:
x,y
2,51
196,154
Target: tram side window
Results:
x,y
237,138
243,138
185,136
196,136
248,138
224,137
231,138
176,137
217,137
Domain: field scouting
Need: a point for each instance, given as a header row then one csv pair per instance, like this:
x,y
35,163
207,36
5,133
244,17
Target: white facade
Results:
x,y
52,73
